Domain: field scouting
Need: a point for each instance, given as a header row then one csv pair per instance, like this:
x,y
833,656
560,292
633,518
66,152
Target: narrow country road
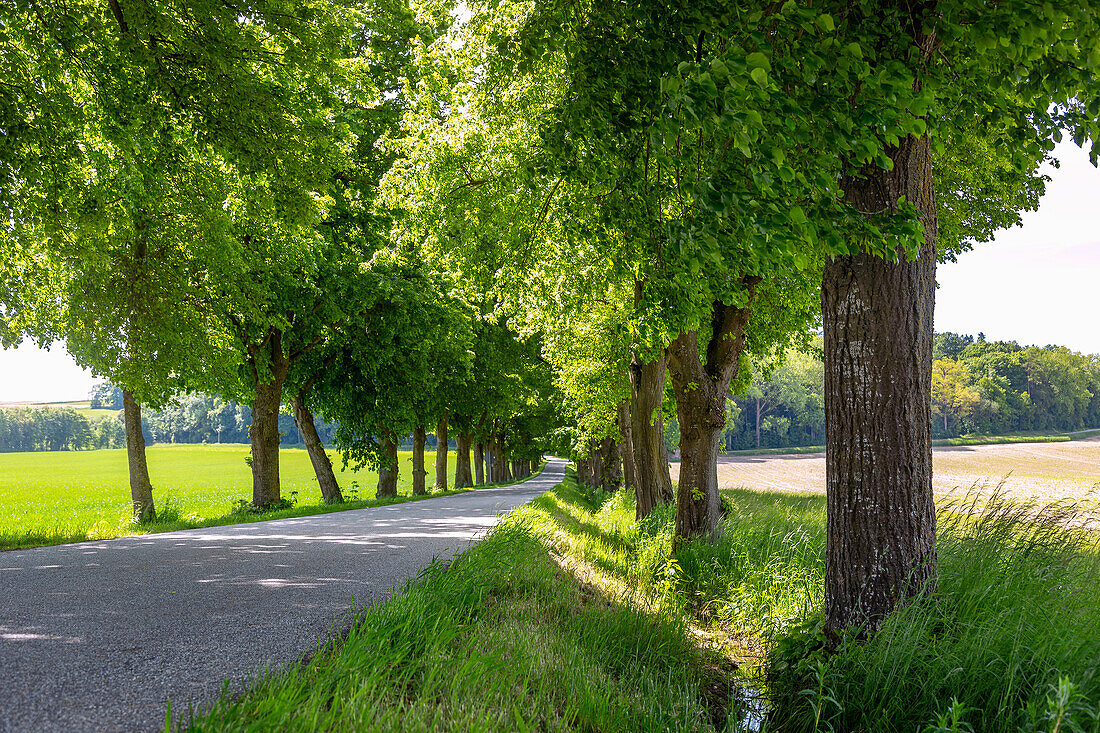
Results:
x,y
98,636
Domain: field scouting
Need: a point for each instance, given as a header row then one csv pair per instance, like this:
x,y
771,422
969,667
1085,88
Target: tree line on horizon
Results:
x,y
518,221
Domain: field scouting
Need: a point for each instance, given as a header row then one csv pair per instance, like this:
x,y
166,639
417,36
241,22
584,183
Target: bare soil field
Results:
x,y
1032,472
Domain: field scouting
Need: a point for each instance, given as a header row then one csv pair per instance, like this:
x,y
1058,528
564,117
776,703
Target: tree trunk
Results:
x,y
463,478
419,439
611,473
584,471
647,384
479,462
441,454
757,423
141,489
626,446
387,471
880,543
500,463
701,390
264,431
322,466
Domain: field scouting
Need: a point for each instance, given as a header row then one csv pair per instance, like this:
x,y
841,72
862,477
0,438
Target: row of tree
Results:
x,y
515,220
49,428
682,190
980,386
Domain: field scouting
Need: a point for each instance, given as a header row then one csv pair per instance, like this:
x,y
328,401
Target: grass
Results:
x,y
502,639
634,638
55,497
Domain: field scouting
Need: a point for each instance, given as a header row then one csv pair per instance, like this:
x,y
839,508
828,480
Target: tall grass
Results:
x,y
1010,643
502,639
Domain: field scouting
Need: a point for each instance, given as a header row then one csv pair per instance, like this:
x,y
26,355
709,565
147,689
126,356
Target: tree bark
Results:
x,y
463,478
626,445
611,471
419,439
701,389
322,466
647,384
441,454
880,543
141,489
500,462
479,462
387,471
264,431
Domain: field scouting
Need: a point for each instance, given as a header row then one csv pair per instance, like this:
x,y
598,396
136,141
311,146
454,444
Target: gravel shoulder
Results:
x,y
100,635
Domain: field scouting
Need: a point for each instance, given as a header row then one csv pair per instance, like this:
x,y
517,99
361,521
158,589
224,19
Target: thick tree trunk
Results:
x,y
611,471
880,545
647,384
264,431
463,477
584,470
419,439
441,454
322,466
701,390
479,462
387,471
626,446
141,489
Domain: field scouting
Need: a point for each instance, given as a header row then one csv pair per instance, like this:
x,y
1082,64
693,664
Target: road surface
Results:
x,y
99,635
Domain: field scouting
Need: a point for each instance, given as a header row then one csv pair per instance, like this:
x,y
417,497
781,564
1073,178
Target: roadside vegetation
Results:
x,y
632,638
46,501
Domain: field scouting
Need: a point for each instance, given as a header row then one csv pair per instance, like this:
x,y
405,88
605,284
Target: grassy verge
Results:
x,y
633,638
50,498
502,639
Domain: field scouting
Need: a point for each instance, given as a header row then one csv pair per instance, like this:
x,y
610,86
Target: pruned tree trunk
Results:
x,y
626,445
463,477
419,439
318,456
264,431
647,384
880,542
701,390
387,471
141,489
441,454
479,462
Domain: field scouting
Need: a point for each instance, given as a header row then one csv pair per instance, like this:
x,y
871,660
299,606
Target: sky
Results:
x,y
1035,284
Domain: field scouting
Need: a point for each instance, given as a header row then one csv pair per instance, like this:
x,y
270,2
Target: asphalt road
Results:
x,y
100,635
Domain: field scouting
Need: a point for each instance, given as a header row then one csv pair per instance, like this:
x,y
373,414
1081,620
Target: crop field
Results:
x,y
1031,472
73,495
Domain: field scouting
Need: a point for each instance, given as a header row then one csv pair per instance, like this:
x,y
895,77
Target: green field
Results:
x,y
49,497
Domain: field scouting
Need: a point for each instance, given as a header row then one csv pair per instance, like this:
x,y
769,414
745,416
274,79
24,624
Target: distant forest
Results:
x,y
979,387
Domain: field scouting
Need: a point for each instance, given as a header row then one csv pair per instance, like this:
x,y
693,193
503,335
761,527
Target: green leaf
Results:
x,y
759,76
757,60
798,216
825,23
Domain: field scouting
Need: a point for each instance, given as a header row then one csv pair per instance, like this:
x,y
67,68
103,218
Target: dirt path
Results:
x,y
1040,472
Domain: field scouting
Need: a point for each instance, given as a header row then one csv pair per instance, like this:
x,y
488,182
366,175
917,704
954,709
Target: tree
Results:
x,y
952,396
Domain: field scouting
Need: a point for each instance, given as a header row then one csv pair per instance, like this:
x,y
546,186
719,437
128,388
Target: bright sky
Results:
x,y
1036,284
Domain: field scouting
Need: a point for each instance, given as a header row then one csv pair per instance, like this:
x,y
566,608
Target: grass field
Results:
x,y
49,497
